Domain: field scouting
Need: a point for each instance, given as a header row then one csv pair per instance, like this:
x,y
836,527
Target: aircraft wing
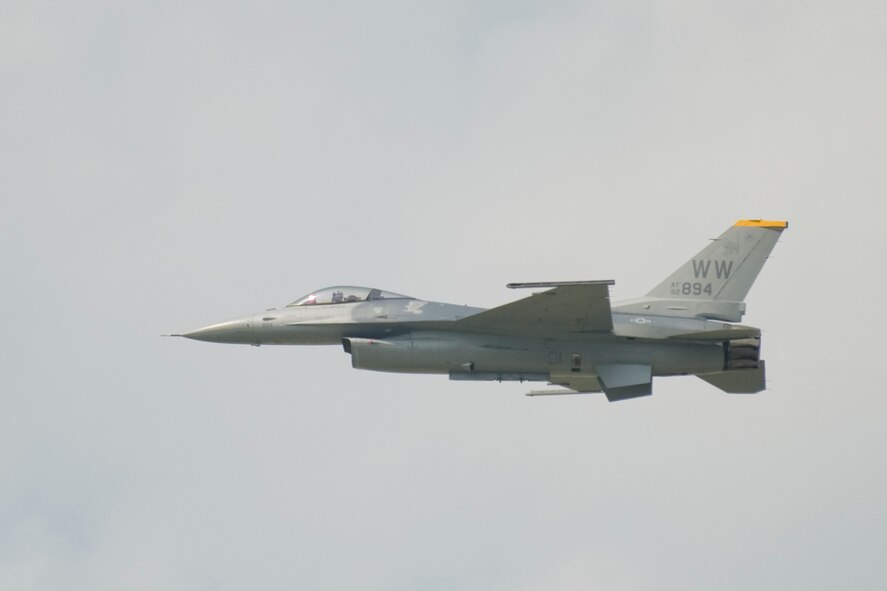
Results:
x,y
575,306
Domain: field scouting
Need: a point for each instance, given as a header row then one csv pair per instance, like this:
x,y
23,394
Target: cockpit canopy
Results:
x,y
346,294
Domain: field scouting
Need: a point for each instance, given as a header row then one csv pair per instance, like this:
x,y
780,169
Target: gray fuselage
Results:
x,y
413,336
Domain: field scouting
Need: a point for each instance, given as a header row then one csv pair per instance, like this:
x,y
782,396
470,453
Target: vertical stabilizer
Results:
x,y
714,283
726,268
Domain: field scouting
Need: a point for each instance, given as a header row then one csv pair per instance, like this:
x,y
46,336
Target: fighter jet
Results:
x,y
566,334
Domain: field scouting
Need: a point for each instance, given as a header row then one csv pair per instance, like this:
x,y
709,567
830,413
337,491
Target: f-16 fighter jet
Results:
x,y
567,334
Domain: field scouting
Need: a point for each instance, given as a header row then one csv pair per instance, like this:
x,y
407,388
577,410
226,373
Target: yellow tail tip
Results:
x,y
762,223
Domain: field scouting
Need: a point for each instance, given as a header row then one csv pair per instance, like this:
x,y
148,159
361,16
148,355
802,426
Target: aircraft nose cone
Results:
x,y
231,331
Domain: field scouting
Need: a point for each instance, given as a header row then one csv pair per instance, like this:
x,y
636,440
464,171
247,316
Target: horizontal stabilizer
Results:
x,y
739,381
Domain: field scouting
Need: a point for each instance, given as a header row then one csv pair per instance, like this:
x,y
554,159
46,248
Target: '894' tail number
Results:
x,y
688,288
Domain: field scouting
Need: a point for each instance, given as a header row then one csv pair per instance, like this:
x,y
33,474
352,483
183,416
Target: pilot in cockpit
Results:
x,y
338,297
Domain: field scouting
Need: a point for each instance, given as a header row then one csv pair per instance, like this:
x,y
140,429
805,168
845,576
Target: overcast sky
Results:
x,y
166,165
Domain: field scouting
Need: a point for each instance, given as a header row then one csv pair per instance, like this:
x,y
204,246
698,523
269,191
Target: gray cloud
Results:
x,y
169,165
